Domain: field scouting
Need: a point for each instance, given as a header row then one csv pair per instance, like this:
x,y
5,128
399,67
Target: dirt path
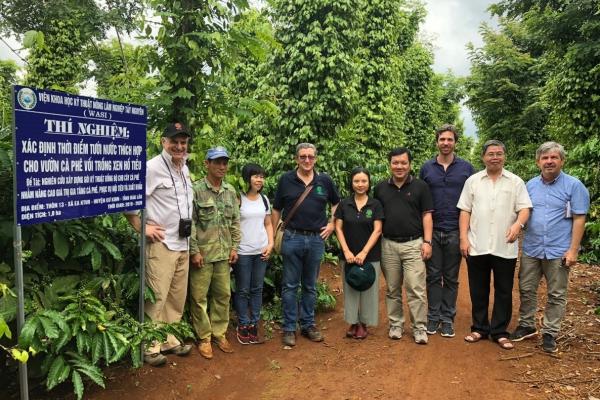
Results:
x,y
338,368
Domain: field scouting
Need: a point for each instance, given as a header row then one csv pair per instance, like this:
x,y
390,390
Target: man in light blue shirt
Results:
x,y
551,243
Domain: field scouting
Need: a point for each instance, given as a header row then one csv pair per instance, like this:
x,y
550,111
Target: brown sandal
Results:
x,y
474,337
505,343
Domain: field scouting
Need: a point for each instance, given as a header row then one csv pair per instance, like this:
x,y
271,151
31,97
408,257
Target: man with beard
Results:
x,y
446,175
168,201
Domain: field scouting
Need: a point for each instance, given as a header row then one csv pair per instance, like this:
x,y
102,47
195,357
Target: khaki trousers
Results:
x,y
557,283
401,263
166,275
210,285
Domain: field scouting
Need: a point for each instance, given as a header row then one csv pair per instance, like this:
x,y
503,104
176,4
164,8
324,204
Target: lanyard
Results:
x,y
185,186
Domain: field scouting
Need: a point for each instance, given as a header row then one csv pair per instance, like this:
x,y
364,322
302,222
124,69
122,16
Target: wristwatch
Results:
x,y
428,242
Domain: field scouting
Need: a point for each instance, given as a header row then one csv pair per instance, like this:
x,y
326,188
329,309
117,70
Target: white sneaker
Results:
x,y
420,337
395,332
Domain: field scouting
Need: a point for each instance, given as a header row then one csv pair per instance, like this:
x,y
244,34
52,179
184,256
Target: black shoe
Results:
x,y
289,338
523,332
242,334
447,330
432,327
312,334
549,343
253,335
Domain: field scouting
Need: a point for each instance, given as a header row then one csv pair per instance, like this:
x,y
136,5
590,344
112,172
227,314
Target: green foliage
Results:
x,y
315,73
504,89
121,72
350,76
536,80
325,299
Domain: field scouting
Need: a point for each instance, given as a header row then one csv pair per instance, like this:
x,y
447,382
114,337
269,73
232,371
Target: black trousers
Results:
x,y
480,274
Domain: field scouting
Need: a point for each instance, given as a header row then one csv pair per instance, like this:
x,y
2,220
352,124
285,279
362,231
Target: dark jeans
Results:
x,y
249,275
442,276
301,262
480,273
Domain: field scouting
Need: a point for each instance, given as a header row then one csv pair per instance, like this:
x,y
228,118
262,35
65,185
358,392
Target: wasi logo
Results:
x,y
26,98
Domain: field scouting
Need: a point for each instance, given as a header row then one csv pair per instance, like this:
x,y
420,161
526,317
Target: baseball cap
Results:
x,y
216,152
176,128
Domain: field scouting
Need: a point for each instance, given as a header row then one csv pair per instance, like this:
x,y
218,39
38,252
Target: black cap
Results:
x,y
176,128
360,277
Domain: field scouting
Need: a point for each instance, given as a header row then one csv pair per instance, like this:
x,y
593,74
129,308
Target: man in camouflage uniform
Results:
x,y
216,217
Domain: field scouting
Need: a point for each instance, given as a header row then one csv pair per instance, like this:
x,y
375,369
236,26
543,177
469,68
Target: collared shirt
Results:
x,y
446,187
550,226
311,214
404,207
216,216
168,198
359,225
494,208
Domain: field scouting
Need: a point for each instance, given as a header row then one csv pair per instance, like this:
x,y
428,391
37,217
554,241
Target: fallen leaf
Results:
x,y
218,376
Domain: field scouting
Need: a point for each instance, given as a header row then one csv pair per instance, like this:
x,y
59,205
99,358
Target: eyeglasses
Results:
x,y
305,157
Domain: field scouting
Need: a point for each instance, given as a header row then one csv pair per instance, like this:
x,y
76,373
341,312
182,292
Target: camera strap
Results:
x,y
185,187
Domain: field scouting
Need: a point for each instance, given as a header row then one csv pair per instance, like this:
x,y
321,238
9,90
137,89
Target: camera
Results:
x,y
185,227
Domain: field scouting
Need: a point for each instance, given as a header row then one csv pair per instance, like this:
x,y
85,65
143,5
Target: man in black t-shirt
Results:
x,y
304,238
406,243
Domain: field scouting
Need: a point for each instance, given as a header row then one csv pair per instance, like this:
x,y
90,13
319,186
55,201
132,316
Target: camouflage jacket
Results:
x,y
216,217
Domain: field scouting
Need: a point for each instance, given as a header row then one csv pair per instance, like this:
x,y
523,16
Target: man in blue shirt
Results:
x,y
551,243
446,175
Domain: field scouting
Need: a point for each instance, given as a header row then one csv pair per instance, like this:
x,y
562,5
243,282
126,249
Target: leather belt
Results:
x,y
402,239
303,232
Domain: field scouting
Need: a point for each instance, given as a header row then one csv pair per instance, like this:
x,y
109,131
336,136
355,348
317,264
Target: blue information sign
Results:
x,y
76,156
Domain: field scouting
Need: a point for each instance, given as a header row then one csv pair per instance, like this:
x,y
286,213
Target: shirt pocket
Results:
x,y
506,199
228,212
165,185
206,212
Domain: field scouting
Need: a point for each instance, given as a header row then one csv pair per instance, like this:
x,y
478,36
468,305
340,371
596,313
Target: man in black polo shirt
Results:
x,y
406,243
303,240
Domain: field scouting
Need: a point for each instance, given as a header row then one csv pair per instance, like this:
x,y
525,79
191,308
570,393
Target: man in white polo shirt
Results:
x,y
494,208
169,208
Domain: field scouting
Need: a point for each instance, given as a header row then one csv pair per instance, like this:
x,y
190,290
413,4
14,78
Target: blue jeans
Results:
x,y
301,262
249,275
442,276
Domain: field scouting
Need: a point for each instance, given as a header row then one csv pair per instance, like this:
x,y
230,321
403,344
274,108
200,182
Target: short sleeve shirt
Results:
x,y
311,215
252,224
404,207
359,225
550,227
445,186
169,197
494,208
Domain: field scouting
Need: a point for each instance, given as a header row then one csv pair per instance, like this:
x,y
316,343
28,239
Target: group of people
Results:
x,y
413,230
